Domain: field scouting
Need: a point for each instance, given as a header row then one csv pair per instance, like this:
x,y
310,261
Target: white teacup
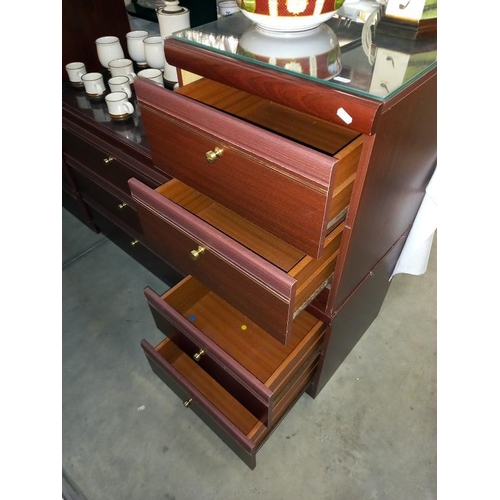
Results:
x,y
120,84
122,67
75,72
119,106
227,8
152,74
155,55
135,47
108,48
170,73
94,84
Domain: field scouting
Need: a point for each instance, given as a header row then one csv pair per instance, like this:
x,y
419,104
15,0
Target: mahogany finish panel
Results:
x,y
273,182
289,90
395,167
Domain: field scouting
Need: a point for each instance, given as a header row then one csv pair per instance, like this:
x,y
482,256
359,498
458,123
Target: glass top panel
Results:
x,y
339,53
130,130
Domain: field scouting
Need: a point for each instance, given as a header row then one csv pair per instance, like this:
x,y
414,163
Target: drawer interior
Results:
x,y
295,125
253,348
207,386
246,423
311,274
310,131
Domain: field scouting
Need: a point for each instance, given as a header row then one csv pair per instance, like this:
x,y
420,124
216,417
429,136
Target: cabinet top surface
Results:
x,y
130,131
342,55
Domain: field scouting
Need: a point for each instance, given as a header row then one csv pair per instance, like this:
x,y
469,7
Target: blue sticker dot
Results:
x,y
192,317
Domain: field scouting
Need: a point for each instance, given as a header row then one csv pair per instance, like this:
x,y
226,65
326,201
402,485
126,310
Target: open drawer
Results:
x,y
252,366
287,172
220,411
266,279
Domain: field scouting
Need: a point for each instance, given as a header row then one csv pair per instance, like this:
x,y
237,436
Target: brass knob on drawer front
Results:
x,y
198,355
109,159
187,402
195,254
134,243
211,156
121,206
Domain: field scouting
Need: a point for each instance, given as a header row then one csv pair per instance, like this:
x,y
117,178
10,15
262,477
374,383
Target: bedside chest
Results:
x,y
286,203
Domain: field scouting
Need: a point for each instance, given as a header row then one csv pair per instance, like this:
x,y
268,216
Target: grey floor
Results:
x,y
371,433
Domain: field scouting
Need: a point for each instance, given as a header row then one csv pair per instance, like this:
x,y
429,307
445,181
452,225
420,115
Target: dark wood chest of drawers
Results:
x,y
284,221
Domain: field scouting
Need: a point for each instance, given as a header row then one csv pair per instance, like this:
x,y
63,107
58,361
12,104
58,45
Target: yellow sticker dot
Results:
x,y
243,327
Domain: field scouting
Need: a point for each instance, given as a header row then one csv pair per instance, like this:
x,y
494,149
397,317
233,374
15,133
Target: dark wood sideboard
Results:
x,y
276,223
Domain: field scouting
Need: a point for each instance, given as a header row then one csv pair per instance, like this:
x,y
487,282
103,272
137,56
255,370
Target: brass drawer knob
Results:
x,y
198,355
121,206
134,243
196,253
213,155
187,402
109,159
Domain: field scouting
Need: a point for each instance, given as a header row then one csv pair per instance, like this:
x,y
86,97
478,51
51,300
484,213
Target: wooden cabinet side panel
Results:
x,y
396,166
355,316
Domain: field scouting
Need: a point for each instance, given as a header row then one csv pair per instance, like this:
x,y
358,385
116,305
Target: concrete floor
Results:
x,y
371,433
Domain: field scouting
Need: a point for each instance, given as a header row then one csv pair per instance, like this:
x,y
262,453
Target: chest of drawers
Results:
x,y
287,221
281,202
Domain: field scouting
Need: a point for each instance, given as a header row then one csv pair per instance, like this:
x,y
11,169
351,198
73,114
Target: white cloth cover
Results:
x,y
415,255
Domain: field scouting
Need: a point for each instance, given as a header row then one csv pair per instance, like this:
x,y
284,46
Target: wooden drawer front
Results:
x,y
252,366
91,189
101,162
268,294
282,186
230,420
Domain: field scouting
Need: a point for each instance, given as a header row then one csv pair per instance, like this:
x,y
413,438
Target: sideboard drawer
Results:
x,y
251,365
91,189
295,191
220,411
104,164
258,274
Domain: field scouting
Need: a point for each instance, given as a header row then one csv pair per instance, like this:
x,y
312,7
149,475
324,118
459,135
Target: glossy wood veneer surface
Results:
x,y
395,168
272,181
268,295
297,93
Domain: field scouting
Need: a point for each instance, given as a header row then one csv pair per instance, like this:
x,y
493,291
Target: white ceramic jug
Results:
x,y
172,17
